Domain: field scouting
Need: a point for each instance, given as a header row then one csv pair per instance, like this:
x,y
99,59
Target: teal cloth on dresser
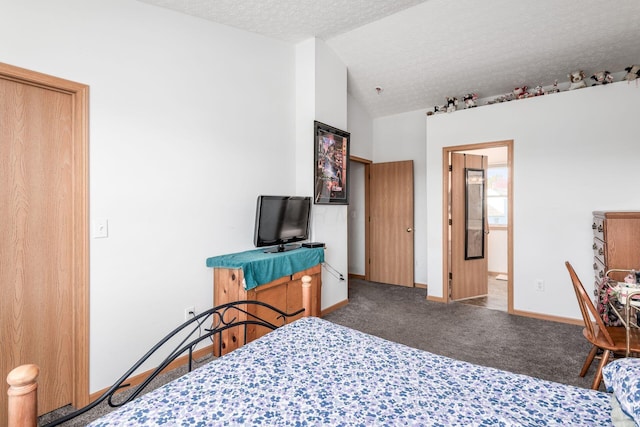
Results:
x,y
260,268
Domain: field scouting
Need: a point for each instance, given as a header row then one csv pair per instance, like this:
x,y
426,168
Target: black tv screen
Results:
x,y
281,220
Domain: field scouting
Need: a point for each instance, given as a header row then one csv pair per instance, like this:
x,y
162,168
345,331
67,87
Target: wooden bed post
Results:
x,y
306,295
23,399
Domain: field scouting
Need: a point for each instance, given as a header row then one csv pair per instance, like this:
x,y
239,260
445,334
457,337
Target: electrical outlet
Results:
x,y
189,312
539,285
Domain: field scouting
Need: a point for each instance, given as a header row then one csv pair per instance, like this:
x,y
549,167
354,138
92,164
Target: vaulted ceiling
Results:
x,y
419,52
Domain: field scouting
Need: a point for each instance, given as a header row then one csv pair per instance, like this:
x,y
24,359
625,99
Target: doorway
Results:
x,y
380,216
499,230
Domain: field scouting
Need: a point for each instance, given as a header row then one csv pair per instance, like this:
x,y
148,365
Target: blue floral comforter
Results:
x,y
313,372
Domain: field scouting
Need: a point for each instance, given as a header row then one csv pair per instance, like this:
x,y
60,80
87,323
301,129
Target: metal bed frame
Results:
x,y
190,333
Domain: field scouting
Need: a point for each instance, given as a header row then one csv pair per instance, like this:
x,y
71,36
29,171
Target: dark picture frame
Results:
x,y
474,213
331,165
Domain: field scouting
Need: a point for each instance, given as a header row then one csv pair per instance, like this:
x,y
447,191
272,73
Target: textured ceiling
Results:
x,y
290,20
420,52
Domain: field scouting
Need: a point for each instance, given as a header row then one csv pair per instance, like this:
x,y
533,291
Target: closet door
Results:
x,y
391,249
43,238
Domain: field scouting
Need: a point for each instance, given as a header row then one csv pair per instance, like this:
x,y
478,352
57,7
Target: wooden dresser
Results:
x,y
616,244
236,283
284,293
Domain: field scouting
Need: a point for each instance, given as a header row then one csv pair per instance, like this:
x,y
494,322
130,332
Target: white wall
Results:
x,y
574,152
189,122
360,125
321,94
401,137
498,248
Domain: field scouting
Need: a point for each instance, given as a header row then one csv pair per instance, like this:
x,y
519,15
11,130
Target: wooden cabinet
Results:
x,y
616,245
284,293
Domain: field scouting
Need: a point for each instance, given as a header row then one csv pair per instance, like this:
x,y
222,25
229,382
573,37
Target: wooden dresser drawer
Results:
x,y
599,268
598,228
599,250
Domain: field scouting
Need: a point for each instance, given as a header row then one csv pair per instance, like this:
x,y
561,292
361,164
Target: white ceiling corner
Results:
x,y
289,20
420,51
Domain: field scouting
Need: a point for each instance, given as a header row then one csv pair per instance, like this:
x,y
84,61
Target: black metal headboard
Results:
x,y
202,327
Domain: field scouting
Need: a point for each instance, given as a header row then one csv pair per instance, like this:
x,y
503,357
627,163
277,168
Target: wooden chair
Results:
x,y
612,340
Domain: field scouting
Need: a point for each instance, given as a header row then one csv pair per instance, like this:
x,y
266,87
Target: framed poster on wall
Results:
x,y
331,171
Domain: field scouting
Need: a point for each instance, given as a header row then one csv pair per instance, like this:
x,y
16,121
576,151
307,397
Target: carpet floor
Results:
x,y
544,349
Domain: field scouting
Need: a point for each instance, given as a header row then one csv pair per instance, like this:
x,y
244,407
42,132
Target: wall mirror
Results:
x,y
474,213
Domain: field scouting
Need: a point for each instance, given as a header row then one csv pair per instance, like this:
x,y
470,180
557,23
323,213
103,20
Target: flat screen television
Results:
x,y
281,220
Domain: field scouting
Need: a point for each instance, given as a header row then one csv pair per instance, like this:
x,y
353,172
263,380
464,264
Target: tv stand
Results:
x,y
243,276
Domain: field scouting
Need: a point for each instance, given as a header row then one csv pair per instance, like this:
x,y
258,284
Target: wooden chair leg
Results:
x,y
587,363
598,378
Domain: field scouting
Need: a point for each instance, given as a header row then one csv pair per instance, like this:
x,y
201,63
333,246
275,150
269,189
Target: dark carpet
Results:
x,y
544,349
549,350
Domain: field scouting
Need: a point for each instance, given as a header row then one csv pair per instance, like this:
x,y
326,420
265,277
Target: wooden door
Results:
x,y
43,237
469,272
391,223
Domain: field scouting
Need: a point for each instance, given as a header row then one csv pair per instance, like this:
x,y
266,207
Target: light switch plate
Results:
x,y
100,228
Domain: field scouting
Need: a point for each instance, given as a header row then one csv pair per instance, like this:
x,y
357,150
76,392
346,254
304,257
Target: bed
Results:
x,y
314,372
